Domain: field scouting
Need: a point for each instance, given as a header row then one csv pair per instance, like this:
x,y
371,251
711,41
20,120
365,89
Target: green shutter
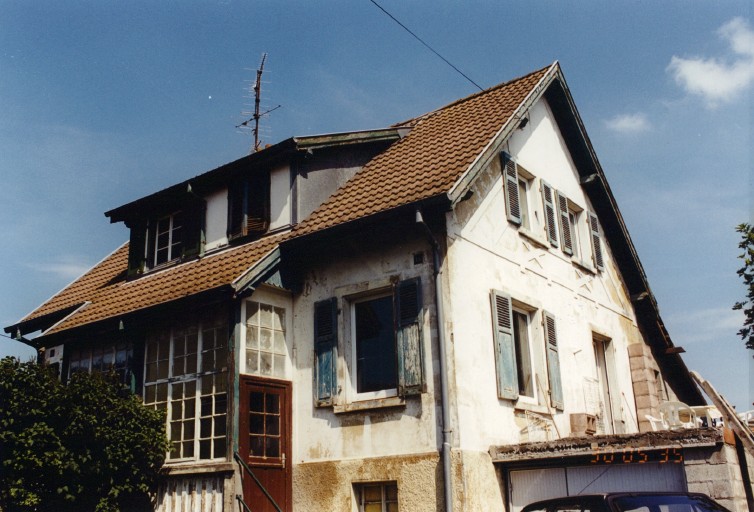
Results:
x,y
553,362
408,339
510,183
325,351
505,350
551,226
597,256
137,248
565,225
192,232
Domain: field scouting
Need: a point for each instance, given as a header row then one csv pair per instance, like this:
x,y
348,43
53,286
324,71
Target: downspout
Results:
x,y
444,401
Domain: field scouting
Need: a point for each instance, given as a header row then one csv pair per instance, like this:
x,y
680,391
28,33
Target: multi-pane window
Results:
x,y
266,352
185,374
168,239
264,425
378,497
117,357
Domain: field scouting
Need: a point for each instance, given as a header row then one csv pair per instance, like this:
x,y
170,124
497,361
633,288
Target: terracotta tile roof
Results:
x,y
429,160
426,163
109,294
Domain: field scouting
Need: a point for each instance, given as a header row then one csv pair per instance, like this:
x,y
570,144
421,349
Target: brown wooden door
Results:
x,y
265,442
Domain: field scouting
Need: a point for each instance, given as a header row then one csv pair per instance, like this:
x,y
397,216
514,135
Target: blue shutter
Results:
x,y
408,339
325,351
594,227
551,225
553,362
505,351
510,183
565,224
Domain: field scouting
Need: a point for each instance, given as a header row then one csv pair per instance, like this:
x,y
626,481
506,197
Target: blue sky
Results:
x,y
102,102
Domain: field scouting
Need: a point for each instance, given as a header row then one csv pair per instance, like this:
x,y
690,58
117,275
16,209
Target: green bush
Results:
x,y
85,446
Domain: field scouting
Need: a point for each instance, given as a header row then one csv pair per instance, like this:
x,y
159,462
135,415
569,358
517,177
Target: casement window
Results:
x,y
158,240
106,358
517,185
266,351
249,206
385,344
185,375
605,381
377,497
515,354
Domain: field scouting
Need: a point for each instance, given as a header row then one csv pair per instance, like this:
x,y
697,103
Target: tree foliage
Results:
x,y
84,446
747,274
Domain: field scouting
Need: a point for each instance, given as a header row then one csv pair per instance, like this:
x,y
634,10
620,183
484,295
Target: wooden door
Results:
x,y
265,442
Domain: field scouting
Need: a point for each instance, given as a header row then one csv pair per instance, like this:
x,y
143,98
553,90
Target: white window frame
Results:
x,y
271,300
369,395
217,377
172,245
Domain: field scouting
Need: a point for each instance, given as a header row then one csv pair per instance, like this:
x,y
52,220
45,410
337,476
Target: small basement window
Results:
x,y
377,497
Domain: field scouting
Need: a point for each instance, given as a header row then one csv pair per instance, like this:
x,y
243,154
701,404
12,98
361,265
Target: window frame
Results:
x,y
172,245
385,500
160,392
276,304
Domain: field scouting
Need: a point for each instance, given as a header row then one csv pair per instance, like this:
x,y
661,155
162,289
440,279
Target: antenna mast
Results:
x,y
257,95
256,115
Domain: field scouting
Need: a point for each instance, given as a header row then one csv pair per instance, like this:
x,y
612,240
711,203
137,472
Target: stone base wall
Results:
x,y
715,471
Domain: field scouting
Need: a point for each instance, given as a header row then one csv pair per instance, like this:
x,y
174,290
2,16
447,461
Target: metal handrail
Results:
x,y
240,500
251,473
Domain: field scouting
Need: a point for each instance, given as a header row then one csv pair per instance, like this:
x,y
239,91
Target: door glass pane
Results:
x,y
256,401
272,447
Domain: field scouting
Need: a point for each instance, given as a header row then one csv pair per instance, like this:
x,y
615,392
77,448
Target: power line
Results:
x,y
426,45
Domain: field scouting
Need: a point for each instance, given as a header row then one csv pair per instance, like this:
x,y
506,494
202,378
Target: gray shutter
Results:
x,y
594,227
553,361
566,239
505,351
408,339
551,226
137,248
510,181
325,351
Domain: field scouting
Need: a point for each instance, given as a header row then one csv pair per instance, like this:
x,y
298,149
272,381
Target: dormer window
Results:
x,y
168,241
249,206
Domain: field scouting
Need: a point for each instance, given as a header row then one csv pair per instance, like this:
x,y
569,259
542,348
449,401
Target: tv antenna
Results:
x,y
256,115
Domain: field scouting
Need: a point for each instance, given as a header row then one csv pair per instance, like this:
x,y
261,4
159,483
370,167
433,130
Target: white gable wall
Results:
x,y
488,252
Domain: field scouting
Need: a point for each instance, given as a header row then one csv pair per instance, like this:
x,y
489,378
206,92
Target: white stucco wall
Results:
x,y
487,252
321,433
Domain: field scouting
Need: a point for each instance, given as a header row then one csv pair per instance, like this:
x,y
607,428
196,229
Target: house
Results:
x,y
447,314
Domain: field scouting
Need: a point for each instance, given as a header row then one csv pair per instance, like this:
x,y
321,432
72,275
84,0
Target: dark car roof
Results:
x,y
607,497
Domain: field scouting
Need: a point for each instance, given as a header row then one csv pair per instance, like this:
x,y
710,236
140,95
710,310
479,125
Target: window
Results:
x,y
185,374
385,344
159,239
117,357
249,206
266,352
514,359
380,497
605,377
517,184
167,244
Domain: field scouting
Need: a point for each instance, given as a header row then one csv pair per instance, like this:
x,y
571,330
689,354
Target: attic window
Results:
x,y
168,241
249,206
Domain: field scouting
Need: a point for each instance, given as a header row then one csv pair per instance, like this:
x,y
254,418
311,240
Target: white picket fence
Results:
x,y
191,494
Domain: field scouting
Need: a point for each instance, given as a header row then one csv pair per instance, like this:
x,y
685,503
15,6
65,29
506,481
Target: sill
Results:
x,y
195,468
583,265
534,238
365,405
522,405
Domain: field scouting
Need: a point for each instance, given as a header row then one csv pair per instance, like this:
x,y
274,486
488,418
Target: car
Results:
x,y
629,502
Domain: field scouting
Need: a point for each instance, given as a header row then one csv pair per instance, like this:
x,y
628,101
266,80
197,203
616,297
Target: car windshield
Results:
x,y
668,503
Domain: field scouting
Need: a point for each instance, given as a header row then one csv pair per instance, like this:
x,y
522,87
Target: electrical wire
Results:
x,y
426,45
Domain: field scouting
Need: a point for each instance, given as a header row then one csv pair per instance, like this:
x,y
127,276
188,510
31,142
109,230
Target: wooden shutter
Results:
x,y
192,231
510,181
137,248
408,339
551,225
566,240
325,351
553,361
505,350
594,227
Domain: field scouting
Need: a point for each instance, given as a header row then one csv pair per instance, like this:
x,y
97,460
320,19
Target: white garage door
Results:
x,y
531,485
